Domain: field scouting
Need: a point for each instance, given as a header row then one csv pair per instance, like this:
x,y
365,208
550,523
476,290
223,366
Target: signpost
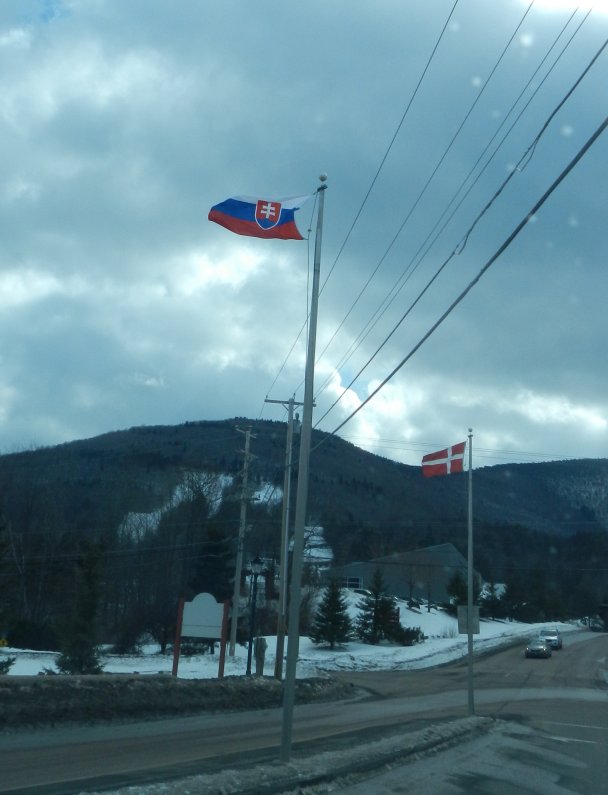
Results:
x,y
203,617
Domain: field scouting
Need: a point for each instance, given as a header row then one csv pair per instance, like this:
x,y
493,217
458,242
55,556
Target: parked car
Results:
x,y
552,637
538,648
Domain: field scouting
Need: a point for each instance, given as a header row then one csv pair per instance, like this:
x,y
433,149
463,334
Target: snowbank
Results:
x,y
442,644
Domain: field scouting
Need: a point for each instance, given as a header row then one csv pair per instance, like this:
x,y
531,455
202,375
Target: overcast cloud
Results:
x,y
124,121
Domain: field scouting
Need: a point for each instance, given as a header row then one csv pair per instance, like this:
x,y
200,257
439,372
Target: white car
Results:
x,y
551,637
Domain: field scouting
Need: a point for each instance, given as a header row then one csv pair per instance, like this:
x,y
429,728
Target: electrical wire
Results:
x,y
371,186
564,173
436,232
391,143
460,247
305,324
431,177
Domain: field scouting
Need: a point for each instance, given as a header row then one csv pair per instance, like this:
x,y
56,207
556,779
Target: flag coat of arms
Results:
x,y
267,218
444,462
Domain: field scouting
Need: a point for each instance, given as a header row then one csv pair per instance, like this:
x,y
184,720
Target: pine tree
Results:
x,y
79,647
457,591
332,624
376,616
214,570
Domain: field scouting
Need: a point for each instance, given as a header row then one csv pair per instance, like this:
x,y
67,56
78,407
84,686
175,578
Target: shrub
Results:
x,y
406,636
6,663
190,647
127,639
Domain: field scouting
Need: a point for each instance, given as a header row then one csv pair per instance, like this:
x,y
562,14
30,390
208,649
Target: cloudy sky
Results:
x,y
124,121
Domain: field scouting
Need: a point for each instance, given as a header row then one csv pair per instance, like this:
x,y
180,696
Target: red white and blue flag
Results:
x,y
268,218
444,462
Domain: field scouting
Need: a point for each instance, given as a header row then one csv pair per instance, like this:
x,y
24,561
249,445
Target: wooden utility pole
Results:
x,y
240,543
284,563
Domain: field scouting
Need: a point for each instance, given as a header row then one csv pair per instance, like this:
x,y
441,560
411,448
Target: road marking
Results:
x,y
576,726
572,740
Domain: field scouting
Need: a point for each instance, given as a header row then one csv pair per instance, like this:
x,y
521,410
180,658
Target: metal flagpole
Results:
x,y
471,700
293,636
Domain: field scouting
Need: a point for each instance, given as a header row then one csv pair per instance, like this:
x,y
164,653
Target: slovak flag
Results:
x,y
444,462
269,218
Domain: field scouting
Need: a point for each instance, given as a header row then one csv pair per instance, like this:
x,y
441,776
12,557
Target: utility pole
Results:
x,y
470,687
240,543
283,566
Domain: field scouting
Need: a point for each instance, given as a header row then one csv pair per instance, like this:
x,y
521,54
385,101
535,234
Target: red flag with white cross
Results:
x,y
444,462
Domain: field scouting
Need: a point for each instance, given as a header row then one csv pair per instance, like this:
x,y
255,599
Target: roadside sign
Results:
x,y
463,628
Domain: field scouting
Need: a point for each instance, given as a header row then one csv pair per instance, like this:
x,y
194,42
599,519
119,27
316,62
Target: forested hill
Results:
x,y
366,503
155,511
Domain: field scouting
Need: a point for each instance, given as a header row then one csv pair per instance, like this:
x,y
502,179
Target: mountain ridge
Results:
x,y
160,507
141,466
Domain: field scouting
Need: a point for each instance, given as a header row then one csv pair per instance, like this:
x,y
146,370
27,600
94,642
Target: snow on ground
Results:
x,y
442,644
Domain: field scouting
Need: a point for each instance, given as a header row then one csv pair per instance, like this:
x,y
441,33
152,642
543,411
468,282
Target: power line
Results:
x,y
436,232
400,444
371,186
392,141
304,325
433,173
580,154
458,249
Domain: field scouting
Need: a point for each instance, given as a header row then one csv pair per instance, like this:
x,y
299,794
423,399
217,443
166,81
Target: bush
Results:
x,y
127,639
190,647
79,657
406,636
6,663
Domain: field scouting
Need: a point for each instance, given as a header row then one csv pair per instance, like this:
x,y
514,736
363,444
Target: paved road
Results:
x,y
542,753
568,688
556,744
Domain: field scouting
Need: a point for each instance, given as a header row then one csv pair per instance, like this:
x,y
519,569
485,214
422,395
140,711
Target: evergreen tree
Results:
x,y
377,613
214,569
491,604
79,647
332,624
457,591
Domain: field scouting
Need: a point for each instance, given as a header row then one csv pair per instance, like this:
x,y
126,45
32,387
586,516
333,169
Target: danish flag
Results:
x,y
444,462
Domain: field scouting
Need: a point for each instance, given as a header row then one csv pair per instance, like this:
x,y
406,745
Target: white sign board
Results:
x,y
202,617
462,620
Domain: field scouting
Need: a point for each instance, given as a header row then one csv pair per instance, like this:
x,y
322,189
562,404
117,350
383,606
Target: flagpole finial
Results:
x,y
323,177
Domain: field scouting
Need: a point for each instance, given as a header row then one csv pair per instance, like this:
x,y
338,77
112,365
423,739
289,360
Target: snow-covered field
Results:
x,y
443,643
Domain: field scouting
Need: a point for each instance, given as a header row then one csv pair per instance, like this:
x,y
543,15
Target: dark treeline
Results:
x,y
145,564
159,508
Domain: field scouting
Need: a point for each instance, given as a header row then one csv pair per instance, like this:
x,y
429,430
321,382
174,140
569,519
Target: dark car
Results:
x,y
538,648
552,637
